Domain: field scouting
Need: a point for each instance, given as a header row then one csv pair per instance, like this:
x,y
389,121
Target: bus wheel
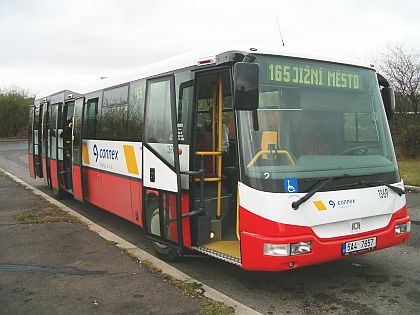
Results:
x,y
164,252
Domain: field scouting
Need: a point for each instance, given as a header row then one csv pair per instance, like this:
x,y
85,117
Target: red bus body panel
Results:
x,y
44,170
255,231
31,165
53,171
116,196
77,183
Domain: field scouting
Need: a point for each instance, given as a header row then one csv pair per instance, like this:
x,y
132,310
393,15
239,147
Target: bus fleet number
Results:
x,y
383,193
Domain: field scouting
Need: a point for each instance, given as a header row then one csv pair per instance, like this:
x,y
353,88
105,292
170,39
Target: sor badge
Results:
x,y
290,185
356,225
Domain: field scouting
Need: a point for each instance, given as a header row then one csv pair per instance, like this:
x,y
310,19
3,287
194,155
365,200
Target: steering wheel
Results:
x,y
361,149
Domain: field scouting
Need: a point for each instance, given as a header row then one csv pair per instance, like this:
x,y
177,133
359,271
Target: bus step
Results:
x,y
219,255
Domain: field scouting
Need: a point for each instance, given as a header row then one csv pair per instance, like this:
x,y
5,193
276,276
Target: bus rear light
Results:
x,y
206,61
300,248
276,249
403,228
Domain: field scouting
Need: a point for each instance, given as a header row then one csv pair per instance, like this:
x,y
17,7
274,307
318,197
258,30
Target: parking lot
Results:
x,y
383,282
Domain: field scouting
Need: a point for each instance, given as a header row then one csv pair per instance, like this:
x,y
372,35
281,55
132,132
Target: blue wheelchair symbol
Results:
x,y
290,185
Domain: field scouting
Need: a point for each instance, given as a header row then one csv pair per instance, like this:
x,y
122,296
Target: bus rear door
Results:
x,y
161,191
31,151
38,140
45,143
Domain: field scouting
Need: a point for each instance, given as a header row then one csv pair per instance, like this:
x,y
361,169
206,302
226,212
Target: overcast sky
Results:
x,y
50,42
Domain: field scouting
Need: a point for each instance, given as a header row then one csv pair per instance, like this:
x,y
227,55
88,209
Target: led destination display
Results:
x,y
285,71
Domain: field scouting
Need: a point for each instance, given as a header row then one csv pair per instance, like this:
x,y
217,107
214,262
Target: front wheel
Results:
x,y
163,251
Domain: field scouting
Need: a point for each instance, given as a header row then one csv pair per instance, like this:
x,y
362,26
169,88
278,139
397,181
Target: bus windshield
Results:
x,y
315,119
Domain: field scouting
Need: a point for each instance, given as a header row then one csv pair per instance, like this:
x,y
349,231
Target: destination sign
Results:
x,y
315,74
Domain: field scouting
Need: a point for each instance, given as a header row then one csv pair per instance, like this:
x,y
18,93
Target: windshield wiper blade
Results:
x,y
316,188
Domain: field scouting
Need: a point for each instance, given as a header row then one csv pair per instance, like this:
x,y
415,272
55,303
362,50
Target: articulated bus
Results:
x,y
267,160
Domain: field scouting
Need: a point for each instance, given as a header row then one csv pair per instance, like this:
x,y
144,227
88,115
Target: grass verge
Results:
x,y
49,214
192,289
410,171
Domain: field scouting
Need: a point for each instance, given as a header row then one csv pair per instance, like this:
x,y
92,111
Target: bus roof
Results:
x,y
183,61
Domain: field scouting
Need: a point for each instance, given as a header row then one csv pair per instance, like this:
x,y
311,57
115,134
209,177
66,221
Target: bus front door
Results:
x,y
161,191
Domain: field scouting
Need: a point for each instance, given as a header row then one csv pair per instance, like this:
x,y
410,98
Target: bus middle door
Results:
x,y
161,191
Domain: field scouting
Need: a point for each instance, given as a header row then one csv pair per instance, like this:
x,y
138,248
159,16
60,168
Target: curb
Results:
x,y
13,140
410,188
140,254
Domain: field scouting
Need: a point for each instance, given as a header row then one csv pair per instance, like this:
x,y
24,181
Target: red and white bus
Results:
x,y
268,160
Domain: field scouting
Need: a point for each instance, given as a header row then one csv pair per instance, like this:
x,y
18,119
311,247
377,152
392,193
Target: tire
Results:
x,y
164,252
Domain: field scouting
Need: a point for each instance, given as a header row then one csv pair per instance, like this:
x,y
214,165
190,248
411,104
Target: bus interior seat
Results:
x,y
269,140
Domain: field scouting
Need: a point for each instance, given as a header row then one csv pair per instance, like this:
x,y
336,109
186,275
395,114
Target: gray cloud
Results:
x,y
46,41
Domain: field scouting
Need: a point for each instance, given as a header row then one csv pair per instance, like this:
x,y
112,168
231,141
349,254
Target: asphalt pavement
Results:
x,y
64,268
382,282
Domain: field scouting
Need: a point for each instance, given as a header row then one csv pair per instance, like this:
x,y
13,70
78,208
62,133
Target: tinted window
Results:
x,y
158,128
53,130
136,110
114,114
77,127
184,90
90,119
30,133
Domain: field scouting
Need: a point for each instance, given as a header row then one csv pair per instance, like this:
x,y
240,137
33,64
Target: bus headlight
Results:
x,y
287,249
300,248
403,228
276,249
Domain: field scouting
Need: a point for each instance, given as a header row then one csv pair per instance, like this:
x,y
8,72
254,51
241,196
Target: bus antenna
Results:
x,y
281,35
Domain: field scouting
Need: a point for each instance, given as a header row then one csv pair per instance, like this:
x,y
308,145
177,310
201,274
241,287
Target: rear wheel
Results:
x,y
162,251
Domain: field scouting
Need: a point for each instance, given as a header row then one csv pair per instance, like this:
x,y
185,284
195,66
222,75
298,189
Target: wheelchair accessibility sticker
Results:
x,y
290,185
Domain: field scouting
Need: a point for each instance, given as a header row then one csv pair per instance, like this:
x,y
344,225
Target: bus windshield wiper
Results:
x,y
322,182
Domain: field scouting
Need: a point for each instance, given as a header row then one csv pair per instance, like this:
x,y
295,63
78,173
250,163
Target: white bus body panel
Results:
x,y
341,209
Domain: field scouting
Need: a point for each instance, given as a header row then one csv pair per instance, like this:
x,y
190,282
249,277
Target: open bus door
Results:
x,y
64,146
45,143
77,149
37,129
161,191
31,151
214,151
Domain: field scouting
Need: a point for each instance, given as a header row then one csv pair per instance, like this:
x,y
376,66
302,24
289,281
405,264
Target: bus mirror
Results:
x,y
245,78
388,98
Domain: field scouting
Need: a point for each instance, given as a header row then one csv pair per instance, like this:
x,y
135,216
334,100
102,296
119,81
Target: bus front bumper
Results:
x,y
255,257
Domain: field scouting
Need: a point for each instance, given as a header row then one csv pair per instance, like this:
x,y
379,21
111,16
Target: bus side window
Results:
x,y
90,119
30,130
185,101
114,114
136,110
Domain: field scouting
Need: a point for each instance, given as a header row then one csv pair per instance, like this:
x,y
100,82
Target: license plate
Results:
x,y
358,246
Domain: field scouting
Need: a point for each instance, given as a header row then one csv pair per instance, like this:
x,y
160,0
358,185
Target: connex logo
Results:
x,y
342,203
107,154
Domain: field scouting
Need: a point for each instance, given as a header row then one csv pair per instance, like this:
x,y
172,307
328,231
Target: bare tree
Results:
x,y
402,68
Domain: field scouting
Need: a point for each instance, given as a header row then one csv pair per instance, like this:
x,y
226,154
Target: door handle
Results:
x,y
152,174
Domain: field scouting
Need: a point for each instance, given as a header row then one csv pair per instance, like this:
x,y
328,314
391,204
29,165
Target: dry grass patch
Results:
x,y
49,214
